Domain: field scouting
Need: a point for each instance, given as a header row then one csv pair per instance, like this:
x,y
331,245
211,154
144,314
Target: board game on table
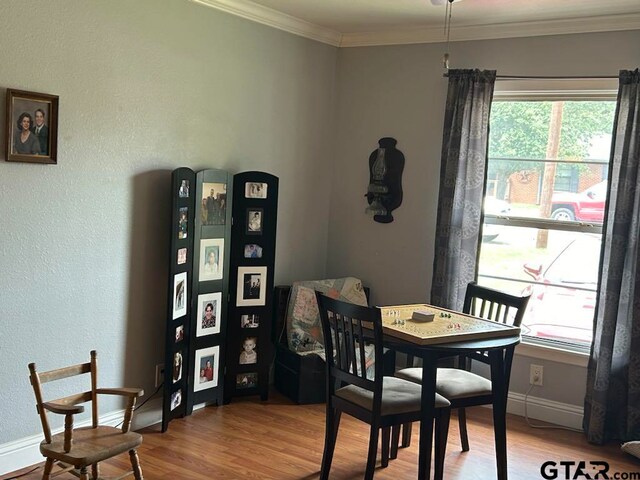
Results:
x,y
447,326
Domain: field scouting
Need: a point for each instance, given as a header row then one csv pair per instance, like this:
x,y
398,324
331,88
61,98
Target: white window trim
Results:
x,y
540,90
566,356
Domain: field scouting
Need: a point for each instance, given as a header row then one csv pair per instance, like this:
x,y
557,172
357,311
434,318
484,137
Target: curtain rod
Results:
x,y
544,77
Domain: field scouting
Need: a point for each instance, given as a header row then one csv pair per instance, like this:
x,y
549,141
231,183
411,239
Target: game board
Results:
x,y
447,326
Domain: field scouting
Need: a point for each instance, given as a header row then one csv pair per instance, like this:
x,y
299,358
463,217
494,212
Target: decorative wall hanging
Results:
x,y
384,193
32,127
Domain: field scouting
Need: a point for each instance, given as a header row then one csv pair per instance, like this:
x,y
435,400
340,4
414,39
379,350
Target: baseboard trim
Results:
x,y
557,413
25,451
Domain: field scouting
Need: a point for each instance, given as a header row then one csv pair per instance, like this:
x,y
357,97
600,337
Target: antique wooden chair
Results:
x,y
381,402
458,385
76,449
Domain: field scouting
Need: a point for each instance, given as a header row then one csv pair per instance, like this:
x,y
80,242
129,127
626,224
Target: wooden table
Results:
x,y
431,342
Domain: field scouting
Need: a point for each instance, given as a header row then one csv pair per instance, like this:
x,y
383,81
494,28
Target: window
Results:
x,y
544,208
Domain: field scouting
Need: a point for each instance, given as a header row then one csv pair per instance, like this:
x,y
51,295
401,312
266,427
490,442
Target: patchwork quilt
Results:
x,y
304,332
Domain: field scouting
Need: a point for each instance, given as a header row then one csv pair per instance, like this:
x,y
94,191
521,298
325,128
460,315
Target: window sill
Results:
x,y
531,348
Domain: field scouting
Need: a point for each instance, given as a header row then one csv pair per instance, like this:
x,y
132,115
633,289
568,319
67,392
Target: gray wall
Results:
x,y
145,87
399,91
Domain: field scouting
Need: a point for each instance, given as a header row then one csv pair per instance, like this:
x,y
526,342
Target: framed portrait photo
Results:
x,y
247,380
254,221
179,295
250,320
211,259
183,190
255,190
179,333
182,256
209,308
176,399
252,286
183,214
252,250
206,371
248,351
176,369
32,127
214,204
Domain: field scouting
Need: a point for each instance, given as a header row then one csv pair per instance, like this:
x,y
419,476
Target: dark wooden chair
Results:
x,y
75,450
382,401
458,385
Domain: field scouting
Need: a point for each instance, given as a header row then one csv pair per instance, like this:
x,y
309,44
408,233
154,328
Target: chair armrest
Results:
x,y
132,394
125,392
63,409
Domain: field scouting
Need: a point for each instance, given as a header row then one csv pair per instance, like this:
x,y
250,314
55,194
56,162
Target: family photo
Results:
x,y
247,380
214,204
182,256
211,259
32,128
248,354
255,190
254,221
183,191
177,367
208,319
176,399
179,295
206,371
250,320
251,287
183,214
252,251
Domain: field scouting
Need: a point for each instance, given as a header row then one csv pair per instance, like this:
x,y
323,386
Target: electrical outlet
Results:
x,y
159,374
535,375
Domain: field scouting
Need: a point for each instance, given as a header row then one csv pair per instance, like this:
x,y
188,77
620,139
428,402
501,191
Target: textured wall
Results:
x,y
399,91
145,87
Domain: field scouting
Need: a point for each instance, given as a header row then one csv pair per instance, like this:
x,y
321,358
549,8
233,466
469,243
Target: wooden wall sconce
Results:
x,y
384,193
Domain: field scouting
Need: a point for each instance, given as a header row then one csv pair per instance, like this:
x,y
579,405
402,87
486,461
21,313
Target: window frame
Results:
x,y
549,90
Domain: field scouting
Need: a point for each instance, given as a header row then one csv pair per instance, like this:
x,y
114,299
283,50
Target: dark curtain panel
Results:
x,y
462,178
612,402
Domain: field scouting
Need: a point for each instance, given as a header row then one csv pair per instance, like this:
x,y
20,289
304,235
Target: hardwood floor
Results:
x,y
277,440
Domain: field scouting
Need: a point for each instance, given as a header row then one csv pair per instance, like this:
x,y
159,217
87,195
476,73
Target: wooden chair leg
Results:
x,y
330,436
395,441
95,471
135,465
48,466
462,422
406,435
442,431
84,475
373,451
386,438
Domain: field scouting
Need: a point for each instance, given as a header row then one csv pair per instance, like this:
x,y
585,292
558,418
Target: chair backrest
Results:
x,y
347,328
37,379
494,305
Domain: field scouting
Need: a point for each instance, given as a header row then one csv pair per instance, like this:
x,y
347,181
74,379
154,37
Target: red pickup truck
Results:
x,y
587,206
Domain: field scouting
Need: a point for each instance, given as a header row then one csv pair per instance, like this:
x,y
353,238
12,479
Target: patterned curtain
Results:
x,y
612,402
462,179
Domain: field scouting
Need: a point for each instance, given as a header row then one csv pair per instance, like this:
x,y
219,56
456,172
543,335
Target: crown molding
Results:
x,y
272,18
267,16
606,23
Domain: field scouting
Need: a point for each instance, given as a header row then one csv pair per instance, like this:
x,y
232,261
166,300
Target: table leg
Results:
x,y
429,361
499,386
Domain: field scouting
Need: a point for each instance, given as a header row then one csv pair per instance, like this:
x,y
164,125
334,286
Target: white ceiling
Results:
x,y
375,22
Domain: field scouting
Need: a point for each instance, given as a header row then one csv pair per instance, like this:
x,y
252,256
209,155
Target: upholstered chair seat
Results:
x,y
452,383
398,396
